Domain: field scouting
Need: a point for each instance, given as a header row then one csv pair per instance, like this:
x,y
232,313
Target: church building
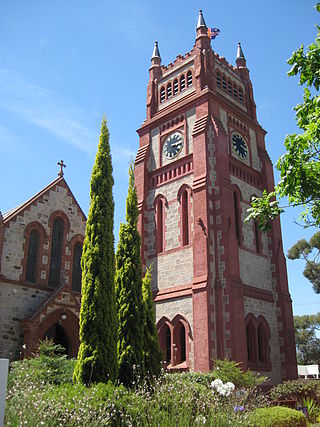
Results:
x,y
220,285
40,274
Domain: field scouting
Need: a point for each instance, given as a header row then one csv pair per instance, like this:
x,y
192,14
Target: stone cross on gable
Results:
x,y
62,165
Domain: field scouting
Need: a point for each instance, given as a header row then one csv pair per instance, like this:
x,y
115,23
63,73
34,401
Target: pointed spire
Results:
x,y
156,53
201,21
240,52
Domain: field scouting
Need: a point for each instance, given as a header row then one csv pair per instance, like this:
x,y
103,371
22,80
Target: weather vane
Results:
x,y
62,165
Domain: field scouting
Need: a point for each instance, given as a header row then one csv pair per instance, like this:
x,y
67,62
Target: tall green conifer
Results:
x,y
97,358
151,348
129,292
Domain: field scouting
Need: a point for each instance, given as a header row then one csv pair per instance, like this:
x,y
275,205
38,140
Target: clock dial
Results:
x,y
239,146
173,145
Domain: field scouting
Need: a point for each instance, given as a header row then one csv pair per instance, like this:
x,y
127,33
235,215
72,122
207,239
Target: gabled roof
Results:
x,y
18,210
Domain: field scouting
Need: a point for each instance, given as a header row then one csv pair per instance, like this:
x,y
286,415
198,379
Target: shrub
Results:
x,y
230,371
312,407
277,416
296,390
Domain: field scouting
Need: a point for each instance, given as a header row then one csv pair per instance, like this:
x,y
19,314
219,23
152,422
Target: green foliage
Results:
x,y
296,390
300,166
303,249
97,357
49,366
277,416
307,343
128,282
312,407
173,400
151,348
229,370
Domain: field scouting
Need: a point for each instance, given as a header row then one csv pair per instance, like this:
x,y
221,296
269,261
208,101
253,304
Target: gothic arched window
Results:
x,y
56,252
189,78
185,218
32,257
169,90
182,82
162,94
76,267
251,342
183,356
168,344
160,226
175,86
236,203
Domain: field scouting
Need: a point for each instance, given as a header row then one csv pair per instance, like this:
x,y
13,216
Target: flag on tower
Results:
x,y
213,33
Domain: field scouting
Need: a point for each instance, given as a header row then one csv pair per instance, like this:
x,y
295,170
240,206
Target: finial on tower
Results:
x,y
240,52
62,165
201,21
156,53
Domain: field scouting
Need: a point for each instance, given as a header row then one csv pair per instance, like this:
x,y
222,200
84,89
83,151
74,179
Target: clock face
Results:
x,y
173,145
239,146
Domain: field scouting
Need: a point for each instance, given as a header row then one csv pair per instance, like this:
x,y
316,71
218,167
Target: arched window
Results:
x,y
175,86
257,236
229,88
32,257
240,96
168,344
76,267
251,342
224,84
185,218
237,217
189,78
162,94
169,90
218,80
56,252
159,225
182,355
182,82
262,344
235,92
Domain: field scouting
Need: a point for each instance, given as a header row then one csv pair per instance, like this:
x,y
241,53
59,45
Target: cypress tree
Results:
x,y
97,358
152,352
129,292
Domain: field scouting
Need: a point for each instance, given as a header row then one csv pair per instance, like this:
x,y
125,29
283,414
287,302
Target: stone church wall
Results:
x,y
16,303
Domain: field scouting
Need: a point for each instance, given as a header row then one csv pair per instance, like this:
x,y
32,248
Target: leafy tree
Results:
x,y
97,358
303,249
307,344
152,352
129,292
300,166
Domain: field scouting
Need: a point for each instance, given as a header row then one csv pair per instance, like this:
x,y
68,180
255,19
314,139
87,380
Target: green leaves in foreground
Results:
x,y
300,165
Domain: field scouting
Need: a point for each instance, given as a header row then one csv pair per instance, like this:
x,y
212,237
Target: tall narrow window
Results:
x,y
218,80
251,342
162,94
257,236
183,357
182,82
235,92
168,345
224,84
229,88
240,96
159,213
262,344
56,252
185,218
175,86
169,90
236,216
189,78
32,257
76,267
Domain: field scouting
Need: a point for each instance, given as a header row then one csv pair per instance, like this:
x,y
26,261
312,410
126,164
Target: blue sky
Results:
x,y
63,64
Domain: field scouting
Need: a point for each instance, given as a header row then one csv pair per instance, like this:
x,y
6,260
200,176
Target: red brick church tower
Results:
x,y
220,286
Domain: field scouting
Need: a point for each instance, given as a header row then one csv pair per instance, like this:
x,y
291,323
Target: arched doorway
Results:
x,y
58,335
